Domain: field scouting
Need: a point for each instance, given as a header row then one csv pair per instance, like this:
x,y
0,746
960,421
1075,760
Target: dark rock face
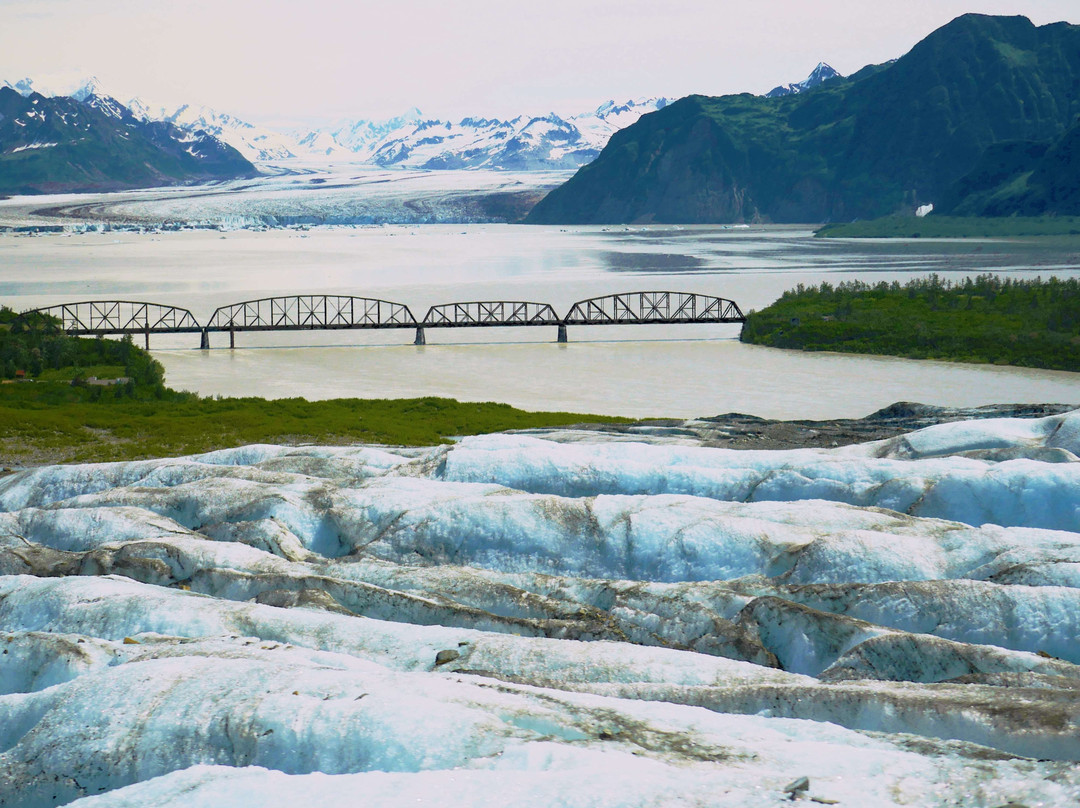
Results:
x,y
888,138
50,145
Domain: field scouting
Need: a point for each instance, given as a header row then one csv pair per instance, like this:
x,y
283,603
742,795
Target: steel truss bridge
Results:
x,y
333,312
100,317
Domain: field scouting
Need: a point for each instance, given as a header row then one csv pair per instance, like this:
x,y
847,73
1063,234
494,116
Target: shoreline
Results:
x,y
750,432
738,431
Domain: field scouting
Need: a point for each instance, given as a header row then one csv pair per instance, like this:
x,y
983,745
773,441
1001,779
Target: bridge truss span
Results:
x,y
96,317
490,313
330,312
654,307
310,312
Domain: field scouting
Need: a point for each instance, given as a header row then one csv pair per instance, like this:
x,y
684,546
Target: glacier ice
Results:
x,y
896,620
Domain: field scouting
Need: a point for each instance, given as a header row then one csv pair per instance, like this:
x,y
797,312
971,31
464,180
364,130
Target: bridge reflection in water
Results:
x,y
334,312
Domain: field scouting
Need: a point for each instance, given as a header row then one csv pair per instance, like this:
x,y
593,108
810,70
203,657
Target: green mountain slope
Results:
x,y
59,144
886,138
1021,178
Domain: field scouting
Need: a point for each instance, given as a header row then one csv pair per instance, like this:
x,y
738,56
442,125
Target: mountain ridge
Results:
x,y
526,142
890,137
471,142
61,144
1021,178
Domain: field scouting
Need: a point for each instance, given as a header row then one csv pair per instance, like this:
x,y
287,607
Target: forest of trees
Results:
x,y
35,345
1008,321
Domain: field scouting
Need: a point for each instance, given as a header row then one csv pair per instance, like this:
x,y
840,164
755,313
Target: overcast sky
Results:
x,y
279,61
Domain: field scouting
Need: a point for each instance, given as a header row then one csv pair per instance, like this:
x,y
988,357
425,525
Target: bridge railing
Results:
x,y
653,307
89,317
302,312
490,313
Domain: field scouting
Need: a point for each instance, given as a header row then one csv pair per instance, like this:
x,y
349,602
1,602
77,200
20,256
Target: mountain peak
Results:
x,y
823,72
636,105
819,75
77,86
89,87
23,86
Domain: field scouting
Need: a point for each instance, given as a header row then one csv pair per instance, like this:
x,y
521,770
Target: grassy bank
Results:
x,y
54,416
1032,323
55,422
955,227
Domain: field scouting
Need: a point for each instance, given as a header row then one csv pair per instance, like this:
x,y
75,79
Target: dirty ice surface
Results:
x,y
519,621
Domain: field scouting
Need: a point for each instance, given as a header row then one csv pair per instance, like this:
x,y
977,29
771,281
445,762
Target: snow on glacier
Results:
x,y
1054,432
491,619
343,195
1018,492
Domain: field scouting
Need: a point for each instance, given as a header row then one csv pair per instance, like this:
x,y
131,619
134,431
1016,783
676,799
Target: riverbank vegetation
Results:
x,y
55,415
988,319
34,347
57,423
954,227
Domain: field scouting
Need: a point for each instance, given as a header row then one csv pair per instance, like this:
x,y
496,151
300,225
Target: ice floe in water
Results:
x,y
516,621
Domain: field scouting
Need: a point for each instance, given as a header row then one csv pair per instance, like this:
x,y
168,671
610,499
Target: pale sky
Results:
x,y
279,61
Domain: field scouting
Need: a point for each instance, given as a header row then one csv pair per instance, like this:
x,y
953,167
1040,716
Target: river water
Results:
x,y
642,371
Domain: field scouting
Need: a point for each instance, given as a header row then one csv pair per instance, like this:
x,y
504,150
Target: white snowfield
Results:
x,y
516,621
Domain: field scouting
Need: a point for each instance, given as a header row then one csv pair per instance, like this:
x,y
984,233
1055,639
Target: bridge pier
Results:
x,y
420,339
232,338
562,333
147,335
204,342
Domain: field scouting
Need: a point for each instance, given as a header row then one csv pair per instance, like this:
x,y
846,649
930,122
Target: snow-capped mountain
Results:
x,y
253,142
256,143
364,137
23,86
522,143
316,143
89,91
78,87
90,141
607,119
818,75
408,141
